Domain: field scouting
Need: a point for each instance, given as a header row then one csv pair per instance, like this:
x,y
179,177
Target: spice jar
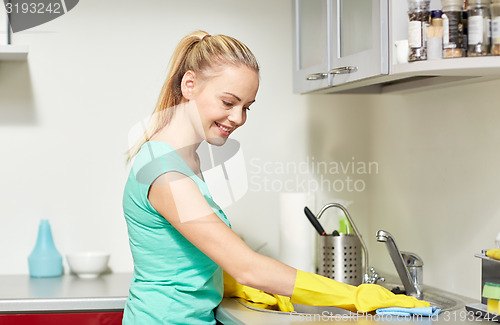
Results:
x,y
435,36
418,14
479,28
495,27
453,35
465,16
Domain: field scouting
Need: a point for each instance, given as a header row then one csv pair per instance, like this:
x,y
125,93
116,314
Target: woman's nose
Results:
x,y
237,116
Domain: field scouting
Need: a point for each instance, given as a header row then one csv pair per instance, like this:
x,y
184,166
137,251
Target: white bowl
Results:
x,y
88,264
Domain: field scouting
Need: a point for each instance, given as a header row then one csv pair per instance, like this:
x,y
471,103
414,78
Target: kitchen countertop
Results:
x,y
109,292
24,294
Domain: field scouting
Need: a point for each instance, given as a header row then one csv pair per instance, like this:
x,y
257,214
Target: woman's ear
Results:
x,y
187,84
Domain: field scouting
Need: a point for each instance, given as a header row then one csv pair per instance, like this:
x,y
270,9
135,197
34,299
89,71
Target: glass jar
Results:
x,y
435,36
495,27
419,15
453,34
479,28
465,16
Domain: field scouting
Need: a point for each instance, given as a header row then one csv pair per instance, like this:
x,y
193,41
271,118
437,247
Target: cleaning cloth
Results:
x,y
400,311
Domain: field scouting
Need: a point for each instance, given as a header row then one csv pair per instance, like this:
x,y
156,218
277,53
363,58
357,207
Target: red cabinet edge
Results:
x,y
97,318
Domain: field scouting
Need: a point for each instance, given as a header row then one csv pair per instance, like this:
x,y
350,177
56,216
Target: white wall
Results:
x,y
437,187
91,75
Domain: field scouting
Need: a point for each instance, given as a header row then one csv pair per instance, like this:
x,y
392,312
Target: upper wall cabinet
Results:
x,y
345,46
311,45
338,42
359,38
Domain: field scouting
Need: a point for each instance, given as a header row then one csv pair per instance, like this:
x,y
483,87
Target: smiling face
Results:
x,y
222,100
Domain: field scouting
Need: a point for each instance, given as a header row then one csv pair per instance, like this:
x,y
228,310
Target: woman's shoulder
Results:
x,y
155,158
153,150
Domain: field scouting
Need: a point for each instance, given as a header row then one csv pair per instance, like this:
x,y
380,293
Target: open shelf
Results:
x,y
414,76
471,66
13,52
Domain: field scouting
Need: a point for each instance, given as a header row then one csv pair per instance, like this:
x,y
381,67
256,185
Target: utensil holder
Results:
x,y
339,258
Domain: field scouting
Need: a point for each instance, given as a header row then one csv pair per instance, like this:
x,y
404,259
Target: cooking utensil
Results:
x,y
314,221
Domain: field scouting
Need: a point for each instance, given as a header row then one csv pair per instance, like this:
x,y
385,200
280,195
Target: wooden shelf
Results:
x,y
13,52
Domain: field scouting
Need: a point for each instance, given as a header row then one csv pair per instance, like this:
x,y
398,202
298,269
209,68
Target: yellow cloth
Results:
x,y
494,253
315,290
259,298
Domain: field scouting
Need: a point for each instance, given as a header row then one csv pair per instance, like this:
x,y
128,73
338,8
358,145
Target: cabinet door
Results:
x,y
359,40
311,44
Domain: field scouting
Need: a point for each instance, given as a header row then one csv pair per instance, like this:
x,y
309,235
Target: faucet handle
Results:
x,y
412,259
373,278
414,264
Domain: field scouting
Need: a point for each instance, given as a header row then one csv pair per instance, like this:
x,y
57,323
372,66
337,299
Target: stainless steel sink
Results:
x,y
321,310
441,299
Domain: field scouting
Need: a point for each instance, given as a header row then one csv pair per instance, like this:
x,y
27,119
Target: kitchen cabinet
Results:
x,y
359,40
311,39
345,46
339,41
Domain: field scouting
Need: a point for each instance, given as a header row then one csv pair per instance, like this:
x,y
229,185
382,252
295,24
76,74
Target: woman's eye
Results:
x,y
246,108
228,104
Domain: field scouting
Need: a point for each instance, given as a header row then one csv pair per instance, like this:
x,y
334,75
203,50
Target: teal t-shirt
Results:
x,y
173,281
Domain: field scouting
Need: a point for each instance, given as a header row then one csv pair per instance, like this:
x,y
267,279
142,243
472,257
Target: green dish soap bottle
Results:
x,y
345,226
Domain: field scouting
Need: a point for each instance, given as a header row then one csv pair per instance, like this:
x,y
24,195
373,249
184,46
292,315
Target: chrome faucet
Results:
x,y
408,265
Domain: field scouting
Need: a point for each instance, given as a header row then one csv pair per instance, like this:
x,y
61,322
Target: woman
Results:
x,y
180,239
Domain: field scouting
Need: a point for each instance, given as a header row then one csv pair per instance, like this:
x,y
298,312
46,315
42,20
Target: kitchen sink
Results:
x,y
441,299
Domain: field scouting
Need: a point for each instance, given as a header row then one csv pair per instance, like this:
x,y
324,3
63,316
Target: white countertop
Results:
x,y
22,293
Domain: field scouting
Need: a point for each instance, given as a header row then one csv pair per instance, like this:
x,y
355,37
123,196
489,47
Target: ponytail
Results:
x,y
198,52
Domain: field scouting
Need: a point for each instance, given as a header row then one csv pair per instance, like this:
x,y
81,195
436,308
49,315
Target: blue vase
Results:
x,y
45,261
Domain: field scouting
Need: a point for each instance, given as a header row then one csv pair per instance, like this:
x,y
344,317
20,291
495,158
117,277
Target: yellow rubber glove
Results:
x,y
315,290
259,298
493,253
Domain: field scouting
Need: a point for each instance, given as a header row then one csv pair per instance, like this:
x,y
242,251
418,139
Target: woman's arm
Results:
x,y
177,198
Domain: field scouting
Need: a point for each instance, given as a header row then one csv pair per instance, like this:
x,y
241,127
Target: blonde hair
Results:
x,y
198,52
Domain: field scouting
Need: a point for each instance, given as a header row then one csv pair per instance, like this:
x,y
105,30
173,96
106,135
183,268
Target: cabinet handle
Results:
x,y
343,70
317,76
